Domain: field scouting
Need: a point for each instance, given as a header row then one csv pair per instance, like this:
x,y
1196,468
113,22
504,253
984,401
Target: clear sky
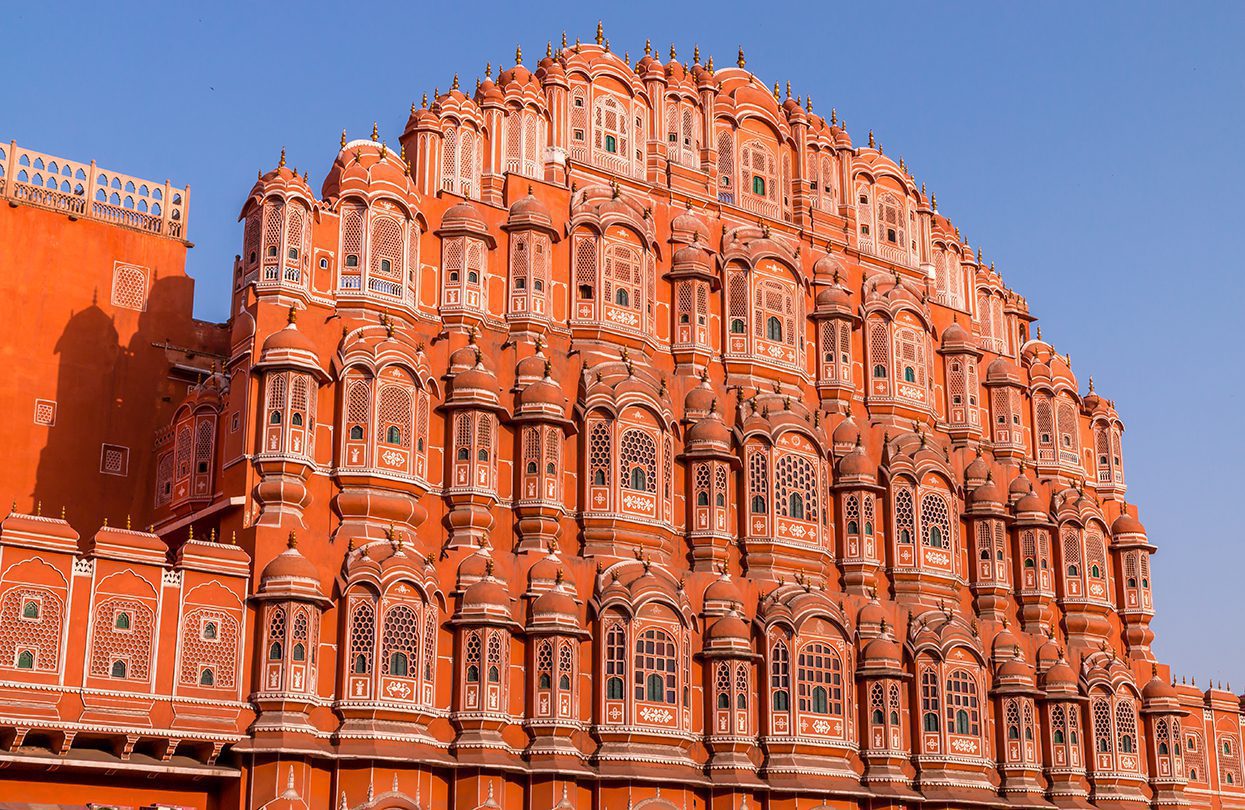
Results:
x,y
1092,149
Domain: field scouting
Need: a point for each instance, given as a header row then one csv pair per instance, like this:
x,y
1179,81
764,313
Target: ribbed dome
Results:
x,y
857,463
987,494
1030,503
487,593
554,603
367,168
288,339
882,651
1158,689
1059,677
723,589
290,567
542,392
956,337
710,430
1002,370
729,629
846,432
1127,524
977,470
465,216
700,399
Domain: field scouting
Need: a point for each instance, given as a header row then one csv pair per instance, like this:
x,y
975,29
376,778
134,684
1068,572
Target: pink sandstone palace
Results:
x,y
619,437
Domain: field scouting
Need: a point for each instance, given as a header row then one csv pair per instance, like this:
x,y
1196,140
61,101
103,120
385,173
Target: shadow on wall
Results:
x,y
111,399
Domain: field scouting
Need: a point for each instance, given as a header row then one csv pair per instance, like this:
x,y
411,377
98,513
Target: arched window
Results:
x,y
615,661
207,677
780,677
25,660
30,610
963,710
638,457
820,679
122,621
930,700
656,666
118,669
773,329
796,508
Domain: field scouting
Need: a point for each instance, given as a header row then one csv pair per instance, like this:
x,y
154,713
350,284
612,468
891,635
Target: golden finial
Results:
x,y
389,327
627,57
548,50
606,46
423,102
105,523
808,104
933,201
384,150
776,91
38,508
1091,385
872,142
412,108
788,89
454,84
709,66
673,56
600,33
518,54
192,531
695,54
281,162
127,522
740,61
488,70
293,541
212,535
233,538
648,47
343,139
375,132
563,40
1039,333
292,315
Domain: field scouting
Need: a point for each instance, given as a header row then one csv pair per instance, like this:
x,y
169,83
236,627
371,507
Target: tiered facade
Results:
x,y
622,436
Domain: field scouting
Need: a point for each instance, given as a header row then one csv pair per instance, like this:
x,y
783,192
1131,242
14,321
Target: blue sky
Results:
x,y
1091,149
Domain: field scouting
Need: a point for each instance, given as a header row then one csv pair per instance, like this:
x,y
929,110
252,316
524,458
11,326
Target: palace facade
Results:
x,y
620,436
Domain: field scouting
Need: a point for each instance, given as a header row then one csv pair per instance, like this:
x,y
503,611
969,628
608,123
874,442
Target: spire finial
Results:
x,y
281,162
872,142
292,315
375,132
788,89
808,104
454,84
518,54
563,40
423,102
648,47
709,66
776,91
293,541
548,49
600,33
696,54
740,61
673,54
488,70
1091,384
